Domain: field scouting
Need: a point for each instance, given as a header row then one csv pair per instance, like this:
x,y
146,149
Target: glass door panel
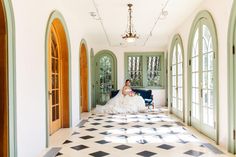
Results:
x,y
177,81
195,103
54,88
207,81
105,78
202,105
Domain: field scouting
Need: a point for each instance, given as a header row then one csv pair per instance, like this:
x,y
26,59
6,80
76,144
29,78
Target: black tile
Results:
x,y
122,147
194,153
167,126
100,115
166,146
95,123
86,137
137,126
67,141
108,126
105,133
102,142
150,123
75,133
59,154
146,153
91,129
98,119
109,121
79,147
99,154
122,123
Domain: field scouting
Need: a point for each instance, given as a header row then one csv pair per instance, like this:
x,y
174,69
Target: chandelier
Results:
x,y
130,34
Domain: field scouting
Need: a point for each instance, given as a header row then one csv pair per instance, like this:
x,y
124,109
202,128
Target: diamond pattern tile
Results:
x,y
102,142
108,126
67,141
59,154
91,129
194,153
137,126
146,153
105,133
151,134
79,147
166,146
86,137
123,147
99,154
95,124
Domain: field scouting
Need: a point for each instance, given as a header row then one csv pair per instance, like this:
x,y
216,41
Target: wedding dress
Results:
x,y
122,104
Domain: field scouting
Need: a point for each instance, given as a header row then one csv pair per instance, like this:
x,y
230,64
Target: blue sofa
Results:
x,y
146,94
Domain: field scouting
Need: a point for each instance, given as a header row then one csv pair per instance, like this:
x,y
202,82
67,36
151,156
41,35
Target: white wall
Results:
x,y
220,11
31,19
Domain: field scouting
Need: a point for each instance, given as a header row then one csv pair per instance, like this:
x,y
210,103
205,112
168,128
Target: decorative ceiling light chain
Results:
x,y
130,34
161,16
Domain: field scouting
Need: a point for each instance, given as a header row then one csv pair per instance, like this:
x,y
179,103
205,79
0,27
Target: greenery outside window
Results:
x,y
145,69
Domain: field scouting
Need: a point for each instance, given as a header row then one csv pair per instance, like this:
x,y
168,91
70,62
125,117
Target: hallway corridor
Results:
x,y
152,134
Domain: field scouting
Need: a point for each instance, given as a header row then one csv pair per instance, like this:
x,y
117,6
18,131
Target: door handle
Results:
x,y
49,93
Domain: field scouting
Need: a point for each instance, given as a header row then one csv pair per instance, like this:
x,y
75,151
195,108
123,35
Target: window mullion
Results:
x,y
144,65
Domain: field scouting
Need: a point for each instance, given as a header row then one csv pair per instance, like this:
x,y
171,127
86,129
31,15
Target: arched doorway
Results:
x,y
232,80
105,76
202,75
57,76
177,77
83,78
4,114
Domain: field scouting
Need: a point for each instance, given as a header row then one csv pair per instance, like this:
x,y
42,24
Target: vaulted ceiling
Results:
x,y
109,22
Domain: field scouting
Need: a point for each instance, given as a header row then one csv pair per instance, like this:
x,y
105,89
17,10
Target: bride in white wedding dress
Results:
x,y
126,101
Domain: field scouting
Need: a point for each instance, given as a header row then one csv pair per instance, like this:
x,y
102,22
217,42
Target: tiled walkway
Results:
x,y
152,134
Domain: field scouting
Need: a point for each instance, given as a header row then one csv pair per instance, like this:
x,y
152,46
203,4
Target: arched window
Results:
x,y
176,68
203,75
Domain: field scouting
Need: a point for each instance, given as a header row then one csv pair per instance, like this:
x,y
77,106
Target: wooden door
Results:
x,y
4,130
83,80
54,81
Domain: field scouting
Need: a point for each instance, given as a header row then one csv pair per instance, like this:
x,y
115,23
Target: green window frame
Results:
x,y
145,68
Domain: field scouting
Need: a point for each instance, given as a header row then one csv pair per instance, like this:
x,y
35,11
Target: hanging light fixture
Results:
x,y
130,34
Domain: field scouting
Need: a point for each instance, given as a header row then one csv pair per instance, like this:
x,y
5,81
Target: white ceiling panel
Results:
x,y
113,20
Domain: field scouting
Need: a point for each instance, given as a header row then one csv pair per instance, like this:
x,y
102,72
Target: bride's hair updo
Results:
x,y
127,80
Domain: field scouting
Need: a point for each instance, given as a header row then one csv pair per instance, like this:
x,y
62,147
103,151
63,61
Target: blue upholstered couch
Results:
x,y
146,94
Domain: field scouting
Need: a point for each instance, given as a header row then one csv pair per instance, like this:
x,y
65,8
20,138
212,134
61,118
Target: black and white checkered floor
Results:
x,y
152,134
